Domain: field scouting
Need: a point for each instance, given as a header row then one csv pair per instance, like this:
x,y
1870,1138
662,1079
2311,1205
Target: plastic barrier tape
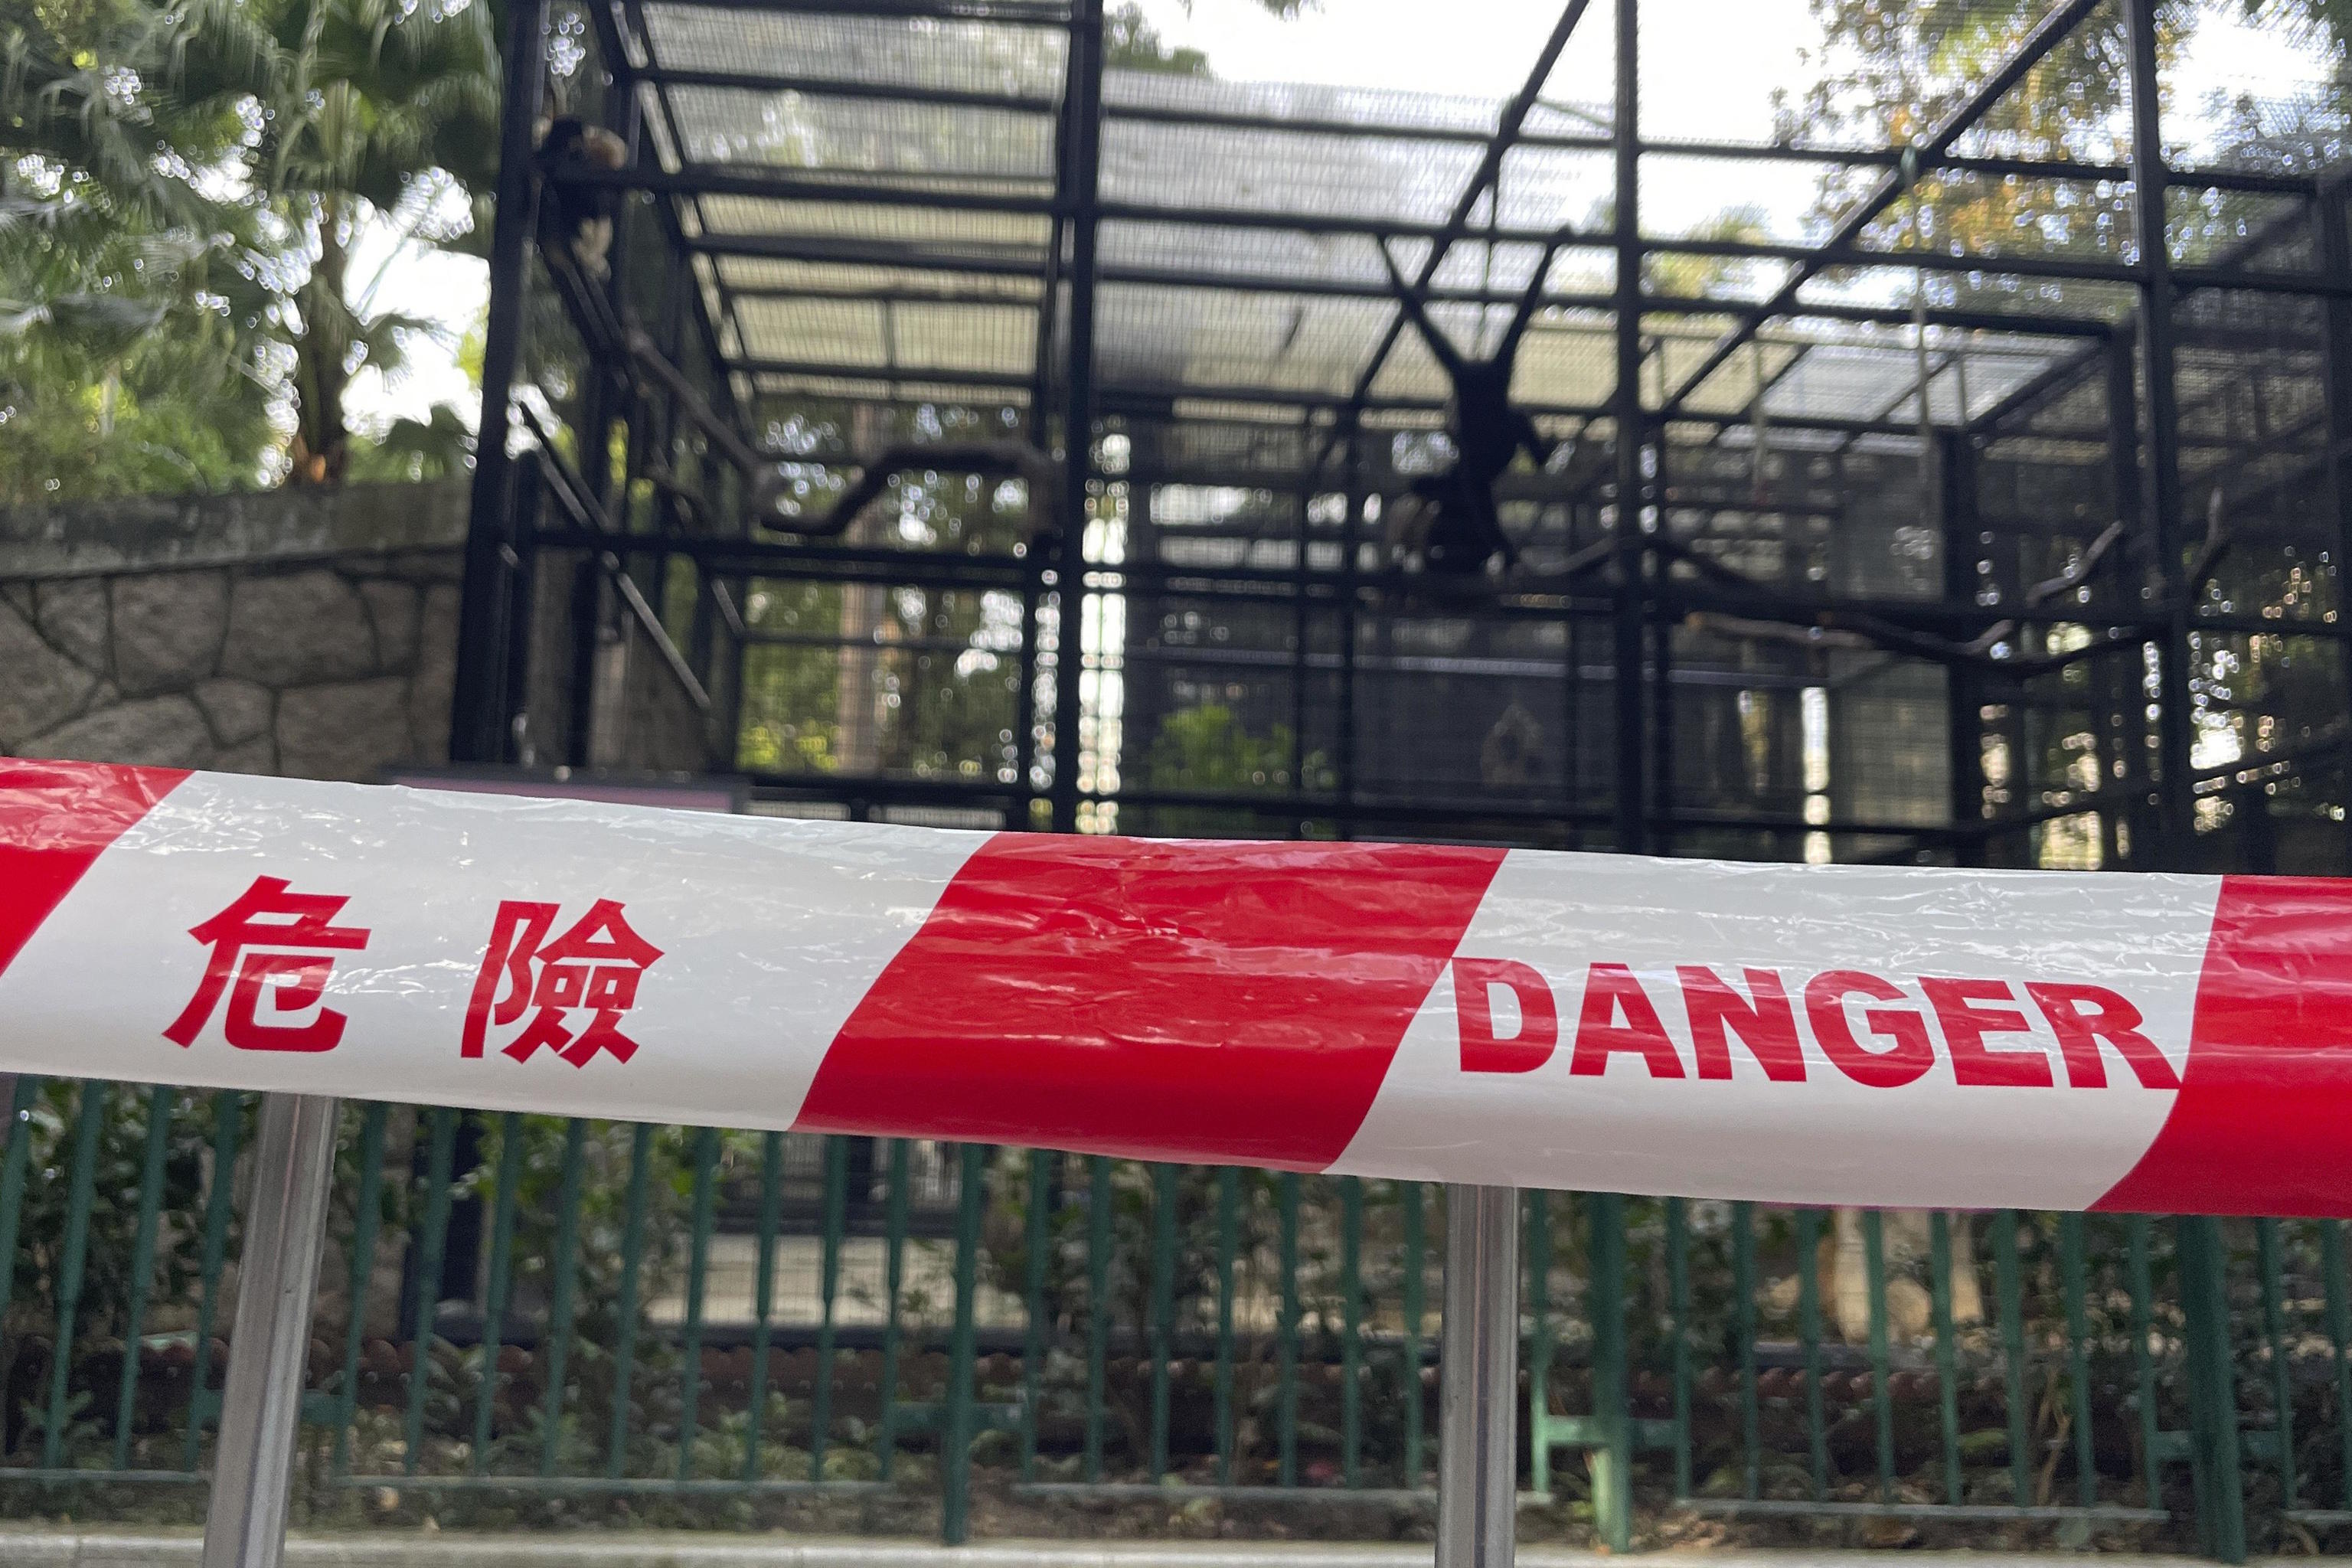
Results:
x,y
1820,1034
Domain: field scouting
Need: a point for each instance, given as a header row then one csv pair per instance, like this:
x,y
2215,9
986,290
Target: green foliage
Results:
x,y
1132,43
128,305
927,684
179,187
1208,749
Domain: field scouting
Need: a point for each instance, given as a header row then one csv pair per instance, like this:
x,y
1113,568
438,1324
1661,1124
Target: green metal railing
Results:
x,y
526,1316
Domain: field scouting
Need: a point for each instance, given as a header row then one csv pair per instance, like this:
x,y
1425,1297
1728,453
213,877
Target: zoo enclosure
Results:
x,y
685,1325
1883,535
1989,511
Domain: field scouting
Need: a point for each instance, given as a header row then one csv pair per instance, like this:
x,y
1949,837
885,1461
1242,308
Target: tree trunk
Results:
x,y
321,450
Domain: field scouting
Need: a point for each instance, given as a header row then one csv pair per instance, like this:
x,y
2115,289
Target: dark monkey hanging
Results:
x,y
1456,530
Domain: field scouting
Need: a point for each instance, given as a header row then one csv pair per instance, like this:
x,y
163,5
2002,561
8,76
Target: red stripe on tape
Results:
x,y
56,819
1196,1001
2262,1123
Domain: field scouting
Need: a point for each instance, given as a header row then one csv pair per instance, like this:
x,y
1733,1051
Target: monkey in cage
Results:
x,y
1453,529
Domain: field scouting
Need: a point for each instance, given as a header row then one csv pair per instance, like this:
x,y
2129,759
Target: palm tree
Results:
x,y
183,181
364,100
129,316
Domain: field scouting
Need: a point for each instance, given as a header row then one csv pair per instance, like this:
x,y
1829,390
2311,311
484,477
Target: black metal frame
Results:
x,y
1633,576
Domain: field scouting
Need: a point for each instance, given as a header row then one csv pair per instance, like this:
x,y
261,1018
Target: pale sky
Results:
x,y
1711,69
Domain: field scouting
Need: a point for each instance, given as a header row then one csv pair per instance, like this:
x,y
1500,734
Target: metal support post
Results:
x,y
2160,446
2333,215
1955,476
277,1277
1078,407
1478,1354
1631,554
478,722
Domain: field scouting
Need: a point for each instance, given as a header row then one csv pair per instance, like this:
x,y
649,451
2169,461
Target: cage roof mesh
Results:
x,y
879,192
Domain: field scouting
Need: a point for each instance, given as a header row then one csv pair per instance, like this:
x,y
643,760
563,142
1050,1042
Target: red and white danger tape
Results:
x,y
1794,1034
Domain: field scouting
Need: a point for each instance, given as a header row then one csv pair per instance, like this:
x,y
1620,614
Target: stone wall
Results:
x,y
309,632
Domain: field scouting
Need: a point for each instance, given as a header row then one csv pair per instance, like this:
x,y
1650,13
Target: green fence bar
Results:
x,y
836,1224
426,1298
763,1311
1351,1328
632,1258
228,1122
89,1118
2339,1341
1163,1327
689,1372
2009,1287
2143,1309
142,1266
1286,1193
893,1284
1033,1337
1882,1396
1099,1242
1678,1311
494,1312
1809,1335
1948,1393
1743,1330
1535,1249
1229,1207
1416,1281
1612,1461
2272,1268
2078,1357
367,1215
956,1427
1699,1318
2203,1258
12,1197
563,1272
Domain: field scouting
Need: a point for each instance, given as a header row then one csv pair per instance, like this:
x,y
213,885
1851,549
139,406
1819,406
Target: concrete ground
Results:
x,y
67,1547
